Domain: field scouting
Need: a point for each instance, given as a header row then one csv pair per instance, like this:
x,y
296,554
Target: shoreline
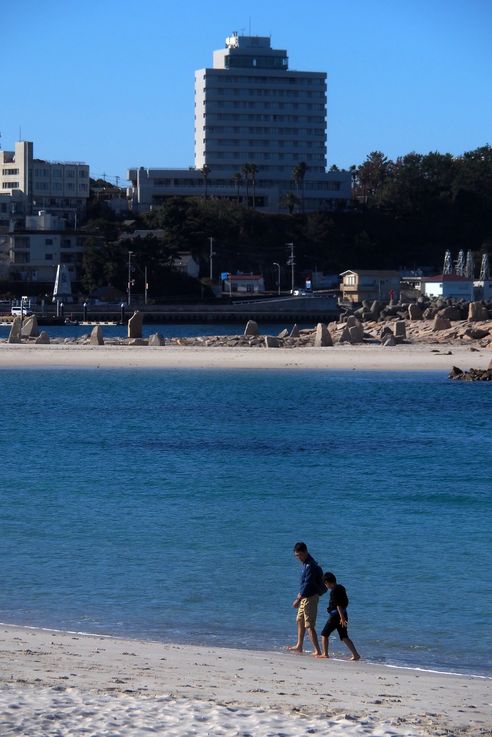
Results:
x,y
355,697
400,358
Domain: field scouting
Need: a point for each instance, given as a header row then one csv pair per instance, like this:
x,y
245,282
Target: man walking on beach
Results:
x,y
307,599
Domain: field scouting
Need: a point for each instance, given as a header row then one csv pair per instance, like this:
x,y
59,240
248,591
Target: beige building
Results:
x,y
369,284
62,187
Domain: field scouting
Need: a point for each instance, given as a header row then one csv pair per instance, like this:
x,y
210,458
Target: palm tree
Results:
x,y
298,174
245,171
253,170
290,201
205,171
237,179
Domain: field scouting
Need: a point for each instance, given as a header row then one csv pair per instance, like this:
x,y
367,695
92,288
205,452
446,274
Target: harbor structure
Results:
x,y
260,136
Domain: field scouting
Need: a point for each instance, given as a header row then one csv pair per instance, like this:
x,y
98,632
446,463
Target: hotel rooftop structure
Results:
x,y
250,109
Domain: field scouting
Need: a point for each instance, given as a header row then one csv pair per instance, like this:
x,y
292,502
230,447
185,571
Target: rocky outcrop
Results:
x,y
458,374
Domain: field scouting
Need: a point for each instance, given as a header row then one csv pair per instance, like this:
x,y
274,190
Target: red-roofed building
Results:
x,y
244,283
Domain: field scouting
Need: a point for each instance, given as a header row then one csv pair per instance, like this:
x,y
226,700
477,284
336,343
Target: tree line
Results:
x,y
404,214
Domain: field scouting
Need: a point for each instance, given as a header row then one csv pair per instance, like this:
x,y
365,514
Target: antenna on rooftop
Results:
x,y
484,268
469,266
460,263
448,263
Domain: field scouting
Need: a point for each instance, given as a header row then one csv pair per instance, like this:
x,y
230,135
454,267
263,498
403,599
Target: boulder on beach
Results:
x,y
251,328
43,338
414,311
15,331
477,311
294,333
283,333
135,324
272,342
156,339
322,336
30,327
441,323
400,330
96,337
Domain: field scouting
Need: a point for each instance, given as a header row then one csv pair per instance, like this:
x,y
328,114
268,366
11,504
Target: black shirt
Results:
x,y
338,597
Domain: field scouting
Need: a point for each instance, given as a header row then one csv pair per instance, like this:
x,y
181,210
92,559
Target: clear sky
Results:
x,y
110,82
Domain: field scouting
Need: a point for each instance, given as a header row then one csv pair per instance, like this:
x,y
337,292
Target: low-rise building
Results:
x,y
244,284
448,286
31,253
369,284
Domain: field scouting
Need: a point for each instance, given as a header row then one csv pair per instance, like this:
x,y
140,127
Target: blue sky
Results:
x,y
110,82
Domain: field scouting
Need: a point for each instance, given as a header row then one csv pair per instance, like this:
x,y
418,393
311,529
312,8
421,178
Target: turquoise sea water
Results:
x,y
164,504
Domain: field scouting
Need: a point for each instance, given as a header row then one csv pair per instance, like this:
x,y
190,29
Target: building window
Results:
x,y
48,257
48,242
10,172
10,185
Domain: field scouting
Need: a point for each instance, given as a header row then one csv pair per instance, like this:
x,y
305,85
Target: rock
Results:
x,y
251,328
344,336
351,321
272,342
441,323
294,333
135,325
451,313
96,337
30,327
15,331
283,334
356,333
389,340
471,375
414,311
400,330
43,338
476,333
376,308
156,339
430,313
322,336
138,341
477,311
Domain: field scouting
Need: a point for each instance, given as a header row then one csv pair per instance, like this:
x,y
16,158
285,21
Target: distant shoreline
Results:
x,y
400,358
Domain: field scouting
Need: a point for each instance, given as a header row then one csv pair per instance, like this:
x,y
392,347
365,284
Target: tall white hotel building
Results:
x,y
251,109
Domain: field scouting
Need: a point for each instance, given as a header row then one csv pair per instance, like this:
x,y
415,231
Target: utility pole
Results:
x,y
130,254
146,285
211,257
278,268
291,262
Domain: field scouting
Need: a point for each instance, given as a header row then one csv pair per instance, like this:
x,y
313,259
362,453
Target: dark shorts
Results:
x,y
334,624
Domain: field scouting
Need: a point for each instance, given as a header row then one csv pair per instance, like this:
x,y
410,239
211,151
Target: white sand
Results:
x,y
414,357
55,683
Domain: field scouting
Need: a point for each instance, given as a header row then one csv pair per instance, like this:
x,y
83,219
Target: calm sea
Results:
x,y
165,503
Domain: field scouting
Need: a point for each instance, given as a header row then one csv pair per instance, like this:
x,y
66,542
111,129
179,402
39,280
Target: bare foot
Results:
x,y
322,656
316,655
295,648
355,657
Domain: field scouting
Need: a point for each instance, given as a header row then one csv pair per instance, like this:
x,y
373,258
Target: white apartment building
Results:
x,y
251,109
62,187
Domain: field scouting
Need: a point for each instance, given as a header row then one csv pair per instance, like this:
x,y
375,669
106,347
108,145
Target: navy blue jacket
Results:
x,y
310,578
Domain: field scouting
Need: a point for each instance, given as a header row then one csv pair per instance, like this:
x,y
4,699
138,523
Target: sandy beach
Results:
x,y
56,683
405,357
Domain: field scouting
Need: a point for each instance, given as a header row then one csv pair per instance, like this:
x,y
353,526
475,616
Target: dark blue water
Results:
x,y
165,504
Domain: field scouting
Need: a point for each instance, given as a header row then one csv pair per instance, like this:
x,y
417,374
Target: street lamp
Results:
x,y
278,282
130,254
291,263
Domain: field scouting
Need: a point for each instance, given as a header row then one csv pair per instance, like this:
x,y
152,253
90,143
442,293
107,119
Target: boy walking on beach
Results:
x,y
307,599
338,617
